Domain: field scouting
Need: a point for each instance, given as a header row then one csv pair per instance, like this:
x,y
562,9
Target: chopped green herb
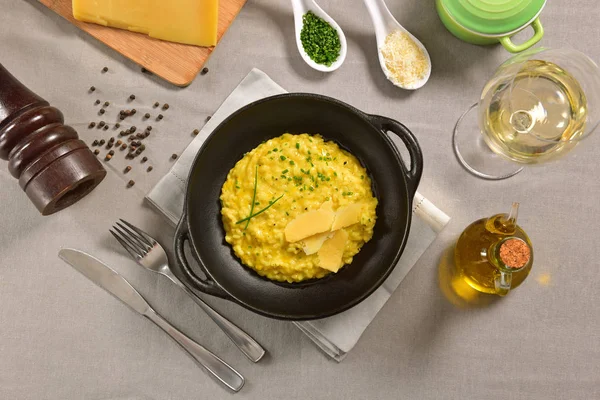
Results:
x,y
362,177
311,188
327,198
319,39
285,171
292,162
298,145
275,149
282,158
334,173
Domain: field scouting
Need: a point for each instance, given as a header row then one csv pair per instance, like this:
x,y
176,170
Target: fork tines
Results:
x,y
137,242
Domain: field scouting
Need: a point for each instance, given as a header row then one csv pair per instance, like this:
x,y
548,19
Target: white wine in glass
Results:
x,y
537,107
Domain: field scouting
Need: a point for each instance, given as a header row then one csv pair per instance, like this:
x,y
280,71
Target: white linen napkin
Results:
x,y
336,335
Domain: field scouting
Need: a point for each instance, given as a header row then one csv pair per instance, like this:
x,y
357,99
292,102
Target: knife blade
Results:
x,y
109,280
105,277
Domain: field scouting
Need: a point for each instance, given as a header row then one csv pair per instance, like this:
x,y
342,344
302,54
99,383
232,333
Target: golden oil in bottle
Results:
x,y
477,254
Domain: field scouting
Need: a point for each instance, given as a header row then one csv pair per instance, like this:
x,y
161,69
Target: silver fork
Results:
x,y
150,255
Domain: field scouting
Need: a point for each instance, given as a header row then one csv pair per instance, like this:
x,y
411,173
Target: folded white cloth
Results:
x,y
338,334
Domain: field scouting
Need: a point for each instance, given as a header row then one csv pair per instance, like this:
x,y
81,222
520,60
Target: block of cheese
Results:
x,y
330,254
183,21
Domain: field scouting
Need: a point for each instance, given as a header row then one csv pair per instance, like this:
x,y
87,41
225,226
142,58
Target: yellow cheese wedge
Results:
x,y
313,243
346,216
330,254
182,21
308,224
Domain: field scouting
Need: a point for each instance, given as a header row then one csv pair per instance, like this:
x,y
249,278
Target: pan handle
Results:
x,y
208,286
413,175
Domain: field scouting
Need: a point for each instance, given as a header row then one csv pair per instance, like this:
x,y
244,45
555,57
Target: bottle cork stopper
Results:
x,y
515,253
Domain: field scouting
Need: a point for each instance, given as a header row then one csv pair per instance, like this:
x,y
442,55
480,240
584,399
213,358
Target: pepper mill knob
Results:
x,y
54,167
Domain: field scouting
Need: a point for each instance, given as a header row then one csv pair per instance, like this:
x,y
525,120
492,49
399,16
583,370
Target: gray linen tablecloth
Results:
x,y
63,338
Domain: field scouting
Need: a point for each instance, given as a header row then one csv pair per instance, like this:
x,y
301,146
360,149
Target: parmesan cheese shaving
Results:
x,y
404,59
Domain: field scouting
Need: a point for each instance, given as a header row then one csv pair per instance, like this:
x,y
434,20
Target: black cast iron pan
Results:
x,y
221,274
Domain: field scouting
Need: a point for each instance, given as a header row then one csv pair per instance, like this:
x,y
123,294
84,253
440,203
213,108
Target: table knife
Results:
x,y
115,284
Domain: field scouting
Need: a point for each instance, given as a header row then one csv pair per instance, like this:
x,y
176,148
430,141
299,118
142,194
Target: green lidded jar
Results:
x,y
491,21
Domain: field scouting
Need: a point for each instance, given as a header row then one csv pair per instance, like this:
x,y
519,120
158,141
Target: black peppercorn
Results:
x,y
95,142
165,106
127,169
117,125
204,71
130,183
101,142
106,104
105,127
148,128
133,111
140,135
146,134
122,117
132,97
159,117
91,125
96,152
92,88
123,146
149,169
112,152
97,102
144,159
132,129
147,115
173,156
195,132
102,111
156,104
101,124
208,118
105,69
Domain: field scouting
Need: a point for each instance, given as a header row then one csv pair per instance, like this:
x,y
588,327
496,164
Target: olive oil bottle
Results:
x,y
494,255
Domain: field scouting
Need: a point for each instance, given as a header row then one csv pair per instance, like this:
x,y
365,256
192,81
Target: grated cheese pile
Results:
x,y
404,59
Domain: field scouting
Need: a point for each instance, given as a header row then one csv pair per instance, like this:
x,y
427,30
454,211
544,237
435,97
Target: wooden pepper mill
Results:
x,y
53,166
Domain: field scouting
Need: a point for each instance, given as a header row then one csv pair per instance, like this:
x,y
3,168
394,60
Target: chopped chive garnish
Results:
x,y
292,162
282,158
275,149
285,171
298,145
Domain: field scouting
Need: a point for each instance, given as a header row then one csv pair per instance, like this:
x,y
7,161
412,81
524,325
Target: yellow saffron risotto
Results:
x,y
308,172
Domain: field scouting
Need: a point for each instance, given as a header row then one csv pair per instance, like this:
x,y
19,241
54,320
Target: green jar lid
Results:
x,y
493,17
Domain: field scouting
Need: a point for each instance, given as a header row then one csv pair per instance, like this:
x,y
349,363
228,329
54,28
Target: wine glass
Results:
x,y
536,108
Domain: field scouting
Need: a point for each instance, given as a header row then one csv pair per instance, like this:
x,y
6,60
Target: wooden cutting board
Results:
x,y
174,62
